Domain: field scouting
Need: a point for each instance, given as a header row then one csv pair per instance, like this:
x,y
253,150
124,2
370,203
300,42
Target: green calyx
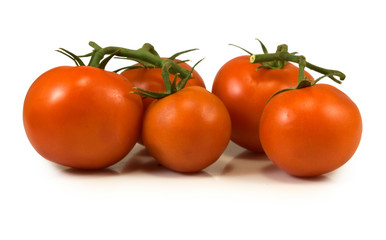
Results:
x,y
75,58
277,63
273,64
170,86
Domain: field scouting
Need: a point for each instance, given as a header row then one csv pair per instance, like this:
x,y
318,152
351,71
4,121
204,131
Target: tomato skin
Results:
x,y
310,131
188,130
82,117
151,79
245,92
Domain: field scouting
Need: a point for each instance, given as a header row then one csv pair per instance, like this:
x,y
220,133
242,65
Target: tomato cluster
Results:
x,y
89,118
306,129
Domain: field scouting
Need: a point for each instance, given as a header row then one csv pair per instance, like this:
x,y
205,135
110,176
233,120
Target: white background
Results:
x,y
243,195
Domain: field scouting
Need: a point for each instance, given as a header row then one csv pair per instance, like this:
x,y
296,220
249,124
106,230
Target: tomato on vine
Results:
x,y
84,116
245,87
311,129
186,129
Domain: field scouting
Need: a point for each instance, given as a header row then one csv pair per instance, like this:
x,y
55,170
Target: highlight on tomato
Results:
x,y
311,129
186,128
244,88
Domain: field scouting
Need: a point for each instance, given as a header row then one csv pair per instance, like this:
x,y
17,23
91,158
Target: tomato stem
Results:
x,y
146,54
165,75
286,56
302,80
170,86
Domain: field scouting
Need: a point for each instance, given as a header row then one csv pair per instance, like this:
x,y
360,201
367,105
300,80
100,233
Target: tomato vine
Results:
x,y
147,56
282,55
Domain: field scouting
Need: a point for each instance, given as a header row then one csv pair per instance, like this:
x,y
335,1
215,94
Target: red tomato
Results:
x,y
151,79
188,130
310,131
245,92
82,117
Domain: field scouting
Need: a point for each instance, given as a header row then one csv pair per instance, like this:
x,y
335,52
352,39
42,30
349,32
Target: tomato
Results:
x,y
151,79
187,131
82,117
245,92
310,131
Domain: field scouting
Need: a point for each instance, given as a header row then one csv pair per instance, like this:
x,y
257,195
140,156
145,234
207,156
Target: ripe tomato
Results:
x,y
82,117
151,79
187,131
245,92
310,131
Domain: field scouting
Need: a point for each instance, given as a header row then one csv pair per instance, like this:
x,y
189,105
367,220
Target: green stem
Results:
x,y
280,56
170,87
302,80
302,65
165,75
145,54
